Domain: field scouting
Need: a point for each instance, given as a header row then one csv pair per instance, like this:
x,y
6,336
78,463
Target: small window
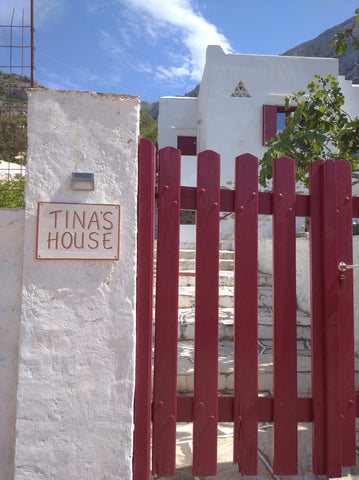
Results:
x,y
240,91
281,120
274,120
187,145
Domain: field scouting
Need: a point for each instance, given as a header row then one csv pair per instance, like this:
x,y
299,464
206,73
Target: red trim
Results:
x,y
317,324
143,393
265,202
205,408
346,310
166,317
265,409
269,122
245,448
284,318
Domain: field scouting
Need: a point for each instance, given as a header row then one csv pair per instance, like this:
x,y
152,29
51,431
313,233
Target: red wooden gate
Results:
x,y
332,407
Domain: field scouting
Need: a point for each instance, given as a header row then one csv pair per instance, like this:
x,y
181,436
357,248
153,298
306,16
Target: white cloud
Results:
x,y
178,17
169,73
110,45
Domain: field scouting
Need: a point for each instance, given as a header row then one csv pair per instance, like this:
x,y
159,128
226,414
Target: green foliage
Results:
x,y
13,136
340,41
318,128
148,127
12,192
13,145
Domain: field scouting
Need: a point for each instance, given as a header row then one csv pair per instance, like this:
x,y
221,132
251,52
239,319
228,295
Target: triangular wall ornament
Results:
x,y
240,91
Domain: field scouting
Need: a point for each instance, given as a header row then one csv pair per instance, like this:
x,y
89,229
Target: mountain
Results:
x,y
153,108
194,92
12,89
13,96
320,47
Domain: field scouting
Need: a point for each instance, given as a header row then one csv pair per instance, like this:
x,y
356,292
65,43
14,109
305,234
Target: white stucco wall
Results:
x,y
11,257
180,119
351,93
234,125
77,337
230,125
177,116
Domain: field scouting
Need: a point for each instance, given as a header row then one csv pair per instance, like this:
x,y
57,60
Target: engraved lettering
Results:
x,y
55,218
55,239
81,221
105,240
108,221
91,235
94,219
66,244
82,240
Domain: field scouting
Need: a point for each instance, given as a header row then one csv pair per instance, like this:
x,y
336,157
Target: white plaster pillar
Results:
x,y
77,333
11,248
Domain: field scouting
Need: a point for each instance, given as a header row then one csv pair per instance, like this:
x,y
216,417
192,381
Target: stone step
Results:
x,y
186,324
190,254
190,264
265,368
186,297
226,279
226,368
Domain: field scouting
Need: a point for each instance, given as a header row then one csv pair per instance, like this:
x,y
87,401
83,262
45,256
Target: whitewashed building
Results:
x,y
240,106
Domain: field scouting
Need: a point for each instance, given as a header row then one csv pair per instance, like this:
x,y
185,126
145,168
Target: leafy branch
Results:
x,y
340,41
318,128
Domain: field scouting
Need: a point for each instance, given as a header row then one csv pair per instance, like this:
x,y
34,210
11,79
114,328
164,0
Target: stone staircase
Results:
x,y
226,329
184,443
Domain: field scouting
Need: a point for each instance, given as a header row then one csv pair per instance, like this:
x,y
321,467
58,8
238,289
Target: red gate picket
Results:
x,y
333,404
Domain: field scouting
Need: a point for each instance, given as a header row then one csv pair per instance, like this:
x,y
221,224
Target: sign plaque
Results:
x,y
77,231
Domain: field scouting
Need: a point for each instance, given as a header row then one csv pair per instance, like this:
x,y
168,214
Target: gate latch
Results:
x,y
343,266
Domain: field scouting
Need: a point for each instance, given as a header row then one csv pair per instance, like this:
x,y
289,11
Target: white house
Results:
x,y
240,106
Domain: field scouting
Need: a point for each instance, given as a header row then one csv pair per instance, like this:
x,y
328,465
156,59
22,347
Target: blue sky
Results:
x,y
154,48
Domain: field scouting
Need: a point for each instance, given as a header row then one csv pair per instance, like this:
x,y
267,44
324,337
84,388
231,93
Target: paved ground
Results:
x,y
228,471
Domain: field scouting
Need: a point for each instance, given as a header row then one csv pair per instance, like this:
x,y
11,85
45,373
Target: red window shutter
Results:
x,y
269,122
187,145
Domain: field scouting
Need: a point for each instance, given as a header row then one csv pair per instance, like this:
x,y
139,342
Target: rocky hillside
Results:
x,y
12,87
13,92
152,108
320,47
